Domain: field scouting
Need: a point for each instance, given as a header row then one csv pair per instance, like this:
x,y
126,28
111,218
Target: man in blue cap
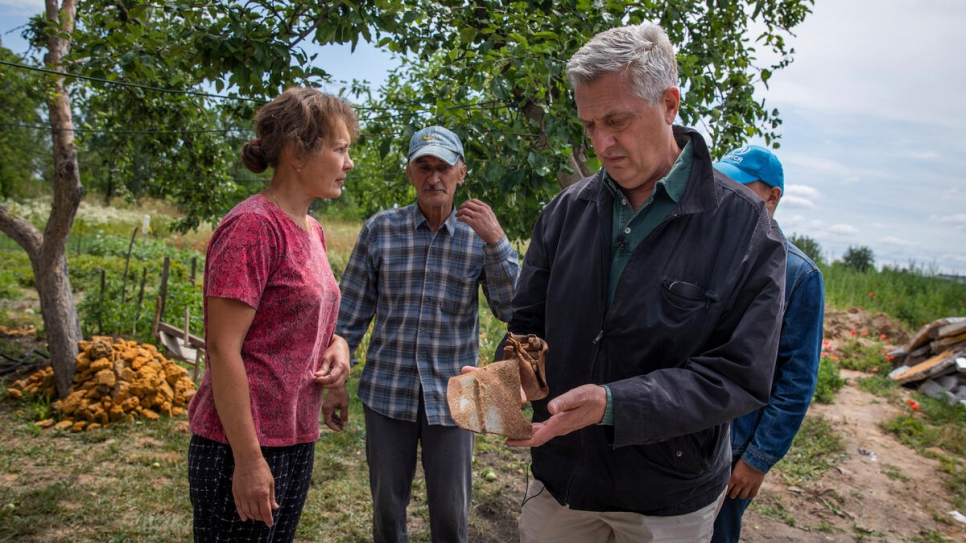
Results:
x,y
416,272
761,438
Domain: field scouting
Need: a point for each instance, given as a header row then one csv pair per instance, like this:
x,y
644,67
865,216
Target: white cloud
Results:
x,y
880,65
802,191
797,202
959,219
897,242
843,230
923,155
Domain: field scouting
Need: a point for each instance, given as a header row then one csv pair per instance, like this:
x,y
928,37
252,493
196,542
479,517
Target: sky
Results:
x,y
873,140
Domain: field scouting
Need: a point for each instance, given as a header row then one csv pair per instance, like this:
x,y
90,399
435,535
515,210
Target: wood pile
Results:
x,y
115,381
935,360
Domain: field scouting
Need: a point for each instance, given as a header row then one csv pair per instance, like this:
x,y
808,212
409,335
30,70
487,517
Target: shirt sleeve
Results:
x,y
240,259
359,286
501,269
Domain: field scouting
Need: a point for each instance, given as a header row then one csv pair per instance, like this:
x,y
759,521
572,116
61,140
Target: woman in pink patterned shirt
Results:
x,y
271,304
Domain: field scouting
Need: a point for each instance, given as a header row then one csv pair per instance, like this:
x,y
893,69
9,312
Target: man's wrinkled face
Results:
x,y
435,180
629,134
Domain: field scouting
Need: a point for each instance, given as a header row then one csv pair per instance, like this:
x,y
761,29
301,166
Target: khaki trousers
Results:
x,y
543,520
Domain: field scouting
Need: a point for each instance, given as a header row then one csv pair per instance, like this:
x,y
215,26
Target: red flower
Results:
x,y
890,357
871,294
913,405
852,332
882,336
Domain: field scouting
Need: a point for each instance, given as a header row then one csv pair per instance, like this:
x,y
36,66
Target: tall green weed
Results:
x,y
914,295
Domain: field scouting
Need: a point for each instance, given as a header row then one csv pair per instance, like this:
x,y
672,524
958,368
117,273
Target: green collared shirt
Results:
x,y
630,227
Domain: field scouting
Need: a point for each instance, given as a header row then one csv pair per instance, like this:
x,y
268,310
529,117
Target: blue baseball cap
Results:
x,y
753,163
438,142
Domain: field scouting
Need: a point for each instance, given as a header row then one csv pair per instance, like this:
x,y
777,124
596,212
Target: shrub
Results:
x,y
809,246
859,258
829,381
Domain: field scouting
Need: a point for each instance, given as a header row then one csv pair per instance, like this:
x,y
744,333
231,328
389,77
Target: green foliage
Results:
x,y
859,258
22,144
829,381
119,307
809,246
915,296
495,75
936,425
9,285
880,385
863,355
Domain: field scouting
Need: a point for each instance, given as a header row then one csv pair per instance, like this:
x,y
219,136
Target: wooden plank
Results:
x,y
947,343
931,367
193,340
954,328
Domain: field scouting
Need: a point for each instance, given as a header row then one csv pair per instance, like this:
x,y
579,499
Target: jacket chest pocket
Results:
x,y
682,301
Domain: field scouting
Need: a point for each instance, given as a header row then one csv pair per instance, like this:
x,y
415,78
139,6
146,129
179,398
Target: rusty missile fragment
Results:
x,y
489,400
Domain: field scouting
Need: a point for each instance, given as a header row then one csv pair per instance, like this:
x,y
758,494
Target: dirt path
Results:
x,y
881,491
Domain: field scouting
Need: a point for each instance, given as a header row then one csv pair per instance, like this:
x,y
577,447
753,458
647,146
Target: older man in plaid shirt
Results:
x,y
417,271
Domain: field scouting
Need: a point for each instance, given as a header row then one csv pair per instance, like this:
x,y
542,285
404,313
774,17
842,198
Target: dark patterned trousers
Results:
x,y
210,470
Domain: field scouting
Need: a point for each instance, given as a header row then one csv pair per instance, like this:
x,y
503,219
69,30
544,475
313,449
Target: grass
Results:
x,y
815,449
914,295
829,382
129,482
775,508
125,483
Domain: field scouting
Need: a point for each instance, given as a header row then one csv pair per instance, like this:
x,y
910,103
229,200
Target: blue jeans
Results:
x,y
727,525
447,456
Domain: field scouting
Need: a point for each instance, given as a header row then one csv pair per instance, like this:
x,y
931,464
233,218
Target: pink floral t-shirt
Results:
x,y
257,255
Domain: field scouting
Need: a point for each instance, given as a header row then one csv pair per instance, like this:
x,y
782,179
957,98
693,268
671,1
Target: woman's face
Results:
x,y
324,170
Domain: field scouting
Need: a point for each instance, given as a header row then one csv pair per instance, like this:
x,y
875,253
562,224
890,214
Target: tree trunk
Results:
x,y
578,159
50,264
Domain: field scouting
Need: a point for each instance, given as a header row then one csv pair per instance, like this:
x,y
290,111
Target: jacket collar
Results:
x,y
700,194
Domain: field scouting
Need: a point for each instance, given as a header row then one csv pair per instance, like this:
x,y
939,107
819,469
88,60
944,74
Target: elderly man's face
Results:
x,y
435,181
632,138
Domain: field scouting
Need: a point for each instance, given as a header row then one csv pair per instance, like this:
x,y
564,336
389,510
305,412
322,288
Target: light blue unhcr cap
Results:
x,y
753,163
438,142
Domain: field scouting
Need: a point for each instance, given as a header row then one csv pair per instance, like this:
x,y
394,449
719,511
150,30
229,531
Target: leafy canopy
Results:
x,y
491,70
494,72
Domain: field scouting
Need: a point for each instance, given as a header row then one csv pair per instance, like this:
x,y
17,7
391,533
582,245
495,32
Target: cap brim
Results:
x,y
735,172
441,153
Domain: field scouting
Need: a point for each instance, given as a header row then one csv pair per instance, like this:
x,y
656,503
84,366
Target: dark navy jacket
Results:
x,y
688,344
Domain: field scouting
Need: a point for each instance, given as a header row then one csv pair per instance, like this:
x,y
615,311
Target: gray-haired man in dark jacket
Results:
x,y
657,284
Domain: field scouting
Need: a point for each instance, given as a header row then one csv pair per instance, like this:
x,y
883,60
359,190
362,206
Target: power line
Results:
x,y
105,131
481,106
125,84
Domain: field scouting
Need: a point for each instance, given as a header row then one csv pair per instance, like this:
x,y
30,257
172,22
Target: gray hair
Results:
x,y
641,53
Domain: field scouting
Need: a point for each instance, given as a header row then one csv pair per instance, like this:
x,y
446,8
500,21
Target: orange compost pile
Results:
x,y
115,380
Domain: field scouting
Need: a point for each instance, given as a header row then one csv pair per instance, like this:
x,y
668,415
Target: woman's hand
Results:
x,y
253,488
333,371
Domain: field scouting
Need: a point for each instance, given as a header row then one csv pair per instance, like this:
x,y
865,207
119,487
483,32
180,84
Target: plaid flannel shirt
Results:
x,y
422,289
